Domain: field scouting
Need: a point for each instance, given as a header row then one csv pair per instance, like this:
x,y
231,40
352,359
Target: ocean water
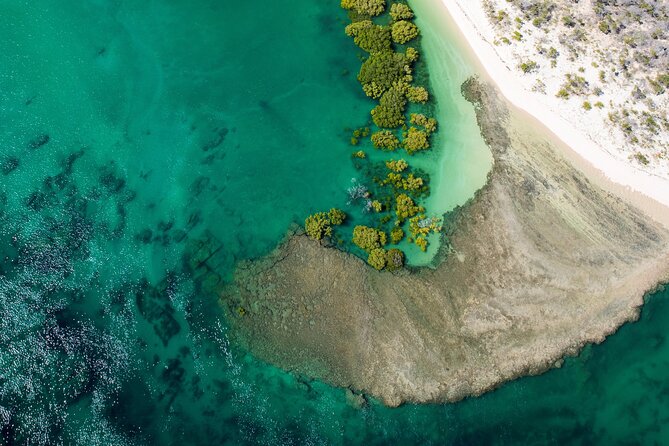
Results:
x,y
146,147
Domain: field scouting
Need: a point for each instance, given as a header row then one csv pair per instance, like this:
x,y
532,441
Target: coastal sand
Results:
x,y
645,190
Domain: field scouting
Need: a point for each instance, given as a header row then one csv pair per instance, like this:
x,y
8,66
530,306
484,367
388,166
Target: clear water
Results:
x,y
145,149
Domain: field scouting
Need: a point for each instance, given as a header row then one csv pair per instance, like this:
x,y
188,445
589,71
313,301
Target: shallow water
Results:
x,y
147,147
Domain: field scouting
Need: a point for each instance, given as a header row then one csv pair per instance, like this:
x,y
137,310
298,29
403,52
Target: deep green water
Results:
x,y
148,146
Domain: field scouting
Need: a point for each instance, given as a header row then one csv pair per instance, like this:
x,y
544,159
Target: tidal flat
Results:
x,y
539,263
146,151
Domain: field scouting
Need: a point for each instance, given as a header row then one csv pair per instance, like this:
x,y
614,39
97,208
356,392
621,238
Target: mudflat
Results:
x,y
539,263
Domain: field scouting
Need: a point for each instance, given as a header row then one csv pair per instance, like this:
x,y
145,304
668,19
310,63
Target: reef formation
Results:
x,y
538,264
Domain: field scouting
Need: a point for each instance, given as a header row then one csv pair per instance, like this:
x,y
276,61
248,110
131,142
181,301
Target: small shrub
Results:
x,y
641,158
385,139
367,238
403,31
394,259
377,258
529,66
401,11
396,235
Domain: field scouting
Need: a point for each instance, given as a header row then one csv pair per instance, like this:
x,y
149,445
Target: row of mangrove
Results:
x,y
399,122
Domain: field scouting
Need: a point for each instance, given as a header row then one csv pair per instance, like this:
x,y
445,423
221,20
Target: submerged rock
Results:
x,y
39,141
9,165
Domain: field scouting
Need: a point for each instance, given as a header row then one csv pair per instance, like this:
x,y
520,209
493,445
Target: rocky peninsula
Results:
x,y
541,262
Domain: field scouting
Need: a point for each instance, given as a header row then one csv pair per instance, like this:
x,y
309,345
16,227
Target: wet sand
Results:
x,y
541,262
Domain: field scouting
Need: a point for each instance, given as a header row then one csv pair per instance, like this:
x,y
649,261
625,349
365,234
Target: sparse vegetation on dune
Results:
x,y
597,55
386,76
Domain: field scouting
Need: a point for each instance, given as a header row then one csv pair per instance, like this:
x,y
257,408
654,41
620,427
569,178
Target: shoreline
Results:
x,y
648,192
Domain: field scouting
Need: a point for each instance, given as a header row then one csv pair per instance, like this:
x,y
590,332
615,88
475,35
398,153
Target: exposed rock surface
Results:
x,y
541,263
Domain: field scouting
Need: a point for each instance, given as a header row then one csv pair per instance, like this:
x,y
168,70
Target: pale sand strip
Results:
x,y
649,192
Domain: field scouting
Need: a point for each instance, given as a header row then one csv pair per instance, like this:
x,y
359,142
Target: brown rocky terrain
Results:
x,y
540,262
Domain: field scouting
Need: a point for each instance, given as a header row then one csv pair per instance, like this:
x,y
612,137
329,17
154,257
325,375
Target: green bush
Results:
x,y
385,139
394,259
528,66
377,258
336,216
416,140
367,238
320,224
418,95
365,7
421,242
390,111
429,124
412,183
405,207
401,11
370,37
397,166
383,69
563,94
412,54
641,158
403,31
664,80
396,235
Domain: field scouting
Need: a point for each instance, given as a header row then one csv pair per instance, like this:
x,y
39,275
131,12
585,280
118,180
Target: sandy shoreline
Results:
x,y
647,191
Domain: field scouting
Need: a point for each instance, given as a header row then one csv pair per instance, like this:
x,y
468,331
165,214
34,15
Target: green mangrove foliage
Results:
x,y
412,54
397,166
370,37
377,258
358,134
403,31
386,76
373,241
367,238
409,183
416,140
429,124
390,111
396,235
381,71
385,139
394,259
365,7
336,216
420,227
417,95
406,208
320,224
400,11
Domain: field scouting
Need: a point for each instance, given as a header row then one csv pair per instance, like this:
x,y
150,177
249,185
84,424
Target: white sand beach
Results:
x,y
648,190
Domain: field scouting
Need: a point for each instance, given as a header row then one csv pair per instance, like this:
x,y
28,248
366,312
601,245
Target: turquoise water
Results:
x,y
146,148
